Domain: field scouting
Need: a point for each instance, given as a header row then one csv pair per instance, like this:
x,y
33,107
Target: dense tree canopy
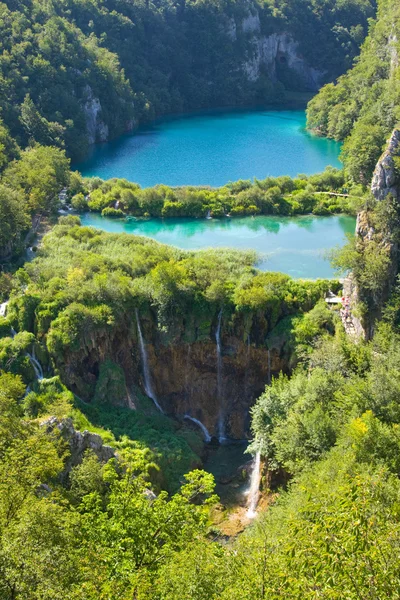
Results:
x,y
363,107
72,66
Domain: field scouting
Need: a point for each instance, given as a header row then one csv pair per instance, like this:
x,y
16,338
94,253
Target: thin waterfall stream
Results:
x,y
148,387
37,367
221,416
206,433
254,490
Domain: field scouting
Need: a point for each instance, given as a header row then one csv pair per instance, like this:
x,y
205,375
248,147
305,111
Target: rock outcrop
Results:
x,y
266,53
79,442
385,182
97,130
385,178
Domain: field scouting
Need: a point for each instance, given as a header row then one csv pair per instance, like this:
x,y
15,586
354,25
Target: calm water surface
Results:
x,y
213,148
294,245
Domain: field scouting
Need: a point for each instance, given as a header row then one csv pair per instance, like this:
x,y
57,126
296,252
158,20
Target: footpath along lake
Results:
x,y
297,246
212,148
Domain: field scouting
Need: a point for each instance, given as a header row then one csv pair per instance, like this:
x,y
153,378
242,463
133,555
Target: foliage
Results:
x,y
362,108
325,193
75,72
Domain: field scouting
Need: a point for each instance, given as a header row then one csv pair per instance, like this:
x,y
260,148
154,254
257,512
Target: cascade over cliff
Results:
x,y
183,367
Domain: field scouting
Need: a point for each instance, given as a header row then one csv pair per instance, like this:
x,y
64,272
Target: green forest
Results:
x,y
362,108
102,495
132,61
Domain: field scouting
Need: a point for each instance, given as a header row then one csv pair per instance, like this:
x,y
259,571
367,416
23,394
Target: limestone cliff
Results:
x,y
96,126
78,443
267,53
385,179
97,129
187,374
385,183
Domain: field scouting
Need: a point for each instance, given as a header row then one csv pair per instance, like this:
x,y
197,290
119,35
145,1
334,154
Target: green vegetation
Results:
x,y
29,188
65,541
363,107
137,526
321,194
331,427
73,72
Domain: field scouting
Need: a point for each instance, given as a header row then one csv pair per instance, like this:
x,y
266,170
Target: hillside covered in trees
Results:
x,y
362,108
109,342
72,73
80,521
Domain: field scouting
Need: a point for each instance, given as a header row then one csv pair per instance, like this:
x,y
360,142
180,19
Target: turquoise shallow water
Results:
x,y
293,245
213,148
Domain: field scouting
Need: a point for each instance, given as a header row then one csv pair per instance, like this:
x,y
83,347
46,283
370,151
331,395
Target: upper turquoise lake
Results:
x,y
212,148
297,246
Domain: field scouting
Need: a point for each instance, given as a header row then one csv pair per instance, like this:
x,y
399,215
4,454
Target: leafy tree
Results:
x,y
40,174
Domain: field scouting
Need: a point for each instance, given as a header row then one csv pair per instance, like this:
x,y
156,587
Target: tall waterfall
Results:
x,y
148,388
207,436
254,490
221,416
37,367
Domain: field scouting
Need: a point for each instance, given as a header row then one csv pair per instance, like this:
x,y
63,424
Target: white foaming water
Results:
x,y
207,436
254,490
221,417
37,367
3,309
148,388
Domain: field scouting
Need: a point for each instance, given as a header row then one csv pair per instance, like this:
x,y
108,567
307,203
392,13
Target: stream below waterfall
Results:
x,y
225,462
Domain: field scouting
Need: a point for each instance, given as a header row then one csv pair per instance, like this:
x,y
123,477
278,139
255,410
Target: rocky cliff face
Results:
x,y
96,127
187,375
97,130
385,182
266,53
385,179
79,442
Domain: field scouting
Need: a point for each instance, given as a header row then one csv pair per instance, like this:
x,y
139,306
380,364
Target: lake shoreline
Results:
x,y
211,147
297,245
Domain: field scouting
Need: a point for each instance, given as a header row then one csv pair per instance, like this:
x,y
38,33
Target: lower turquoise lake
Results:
x,y
212,148
297,246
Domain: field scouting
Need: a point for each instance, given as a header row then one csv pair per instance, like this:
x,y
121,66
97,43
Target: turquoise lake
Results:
x,y
297,246
213,148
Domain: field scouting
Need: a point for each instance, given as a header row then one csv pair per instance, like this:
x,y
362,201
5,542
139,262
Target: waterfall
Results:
x,y
207,436
221,416
37,367
254,490
188,386
3,309
148,388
